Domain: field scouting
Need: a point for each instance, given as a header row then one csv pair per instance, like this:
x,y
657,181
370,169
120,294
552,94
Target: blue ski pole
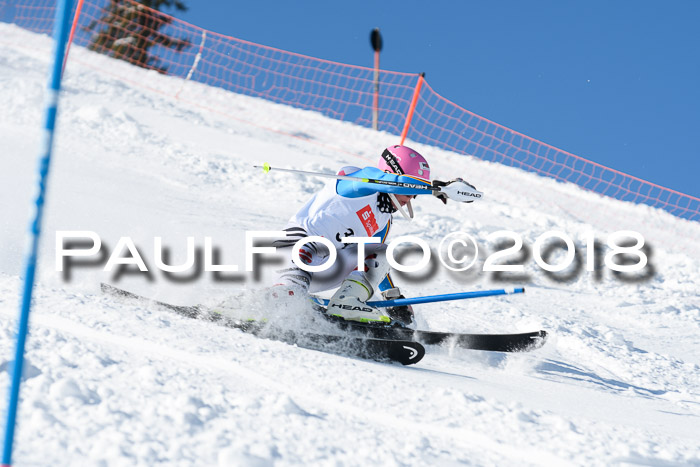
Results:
x,y
61,26
438,298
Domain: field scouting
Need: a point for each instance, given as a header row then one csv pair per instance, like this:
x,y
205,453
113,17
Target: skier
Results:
x,y
347,209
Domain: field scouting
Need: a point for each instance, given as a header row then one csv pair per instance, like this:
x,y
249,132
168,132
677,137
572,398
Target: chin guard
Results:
x,y
397,205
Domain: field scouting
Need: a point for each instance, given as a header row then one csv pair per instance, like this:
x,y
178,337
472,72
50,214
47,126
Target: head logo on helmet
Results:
x,y
403,160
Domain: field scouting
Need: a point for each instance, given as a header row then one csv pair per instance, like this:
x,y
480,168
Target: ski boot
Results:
x,y
402,314
350,301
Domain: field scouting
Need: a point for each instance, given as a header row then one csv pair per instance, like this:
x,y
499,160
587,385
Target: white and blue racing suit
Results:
x,y
343,208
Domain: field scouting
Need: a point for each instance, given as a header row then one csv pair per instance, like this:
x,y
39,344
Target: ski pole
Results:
x,y
438,298
459,192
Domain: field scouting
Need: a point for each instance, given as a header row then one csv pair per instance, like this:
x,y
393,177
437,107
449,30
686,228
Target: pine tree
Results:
x,y
127,30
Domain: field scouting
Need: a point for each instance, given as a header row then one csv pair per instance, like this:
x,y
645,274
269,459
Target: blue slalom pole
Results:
x,y
60,32
439,298
445,297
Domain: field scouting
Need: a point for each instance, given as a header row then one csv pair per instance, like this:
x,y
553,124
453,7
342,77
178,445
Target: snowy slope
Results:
x,y
115,384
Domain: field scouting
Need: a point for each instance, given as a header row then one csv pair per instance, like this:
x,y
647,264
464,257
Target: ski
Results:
x,y
406,352
518,342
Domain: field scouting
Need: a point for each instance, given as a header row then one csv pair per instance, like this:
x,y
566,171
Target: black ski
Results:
x,y
520,342
406,351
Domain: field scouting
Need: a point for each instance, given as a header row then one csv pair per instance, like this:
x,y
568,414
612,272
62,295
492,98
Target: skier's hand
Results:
x,y
443,195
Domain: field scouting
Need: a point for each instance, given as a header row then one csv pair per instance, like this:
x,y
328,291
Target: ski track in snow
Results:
x,y
617,383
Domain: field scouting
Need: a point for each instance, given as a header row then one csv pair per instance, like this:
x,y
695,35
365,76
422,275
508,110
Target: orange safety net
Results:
x,y
340,91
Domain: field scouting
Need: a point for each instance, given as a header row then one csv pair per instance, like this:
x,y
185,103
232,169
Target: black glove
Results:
x,y
402,314
442,196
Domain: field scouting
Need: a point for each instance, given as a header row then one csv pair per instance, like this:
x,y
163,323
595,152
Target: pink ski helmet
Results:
x,y
403,160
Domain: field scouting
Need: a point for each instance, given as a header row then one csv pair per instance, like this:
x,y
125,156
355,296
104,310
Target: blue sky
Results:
x,y
615,82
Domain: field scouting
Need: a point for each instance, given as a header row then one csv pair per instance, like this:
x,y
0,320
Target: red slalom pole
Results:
x,y
78,9
412,108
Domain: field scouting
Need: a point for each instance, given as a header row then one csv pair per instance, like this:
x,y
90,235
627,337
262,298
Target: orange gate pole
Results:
x,y
412,108
78,9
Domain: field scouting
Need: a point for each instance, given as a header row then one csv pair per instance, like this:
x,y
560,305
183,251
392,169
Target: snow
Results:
x,y
110,383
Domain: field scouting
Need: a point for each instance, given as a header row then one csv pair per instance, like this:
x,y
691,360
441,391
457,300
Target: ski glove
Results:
x,y
442,196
